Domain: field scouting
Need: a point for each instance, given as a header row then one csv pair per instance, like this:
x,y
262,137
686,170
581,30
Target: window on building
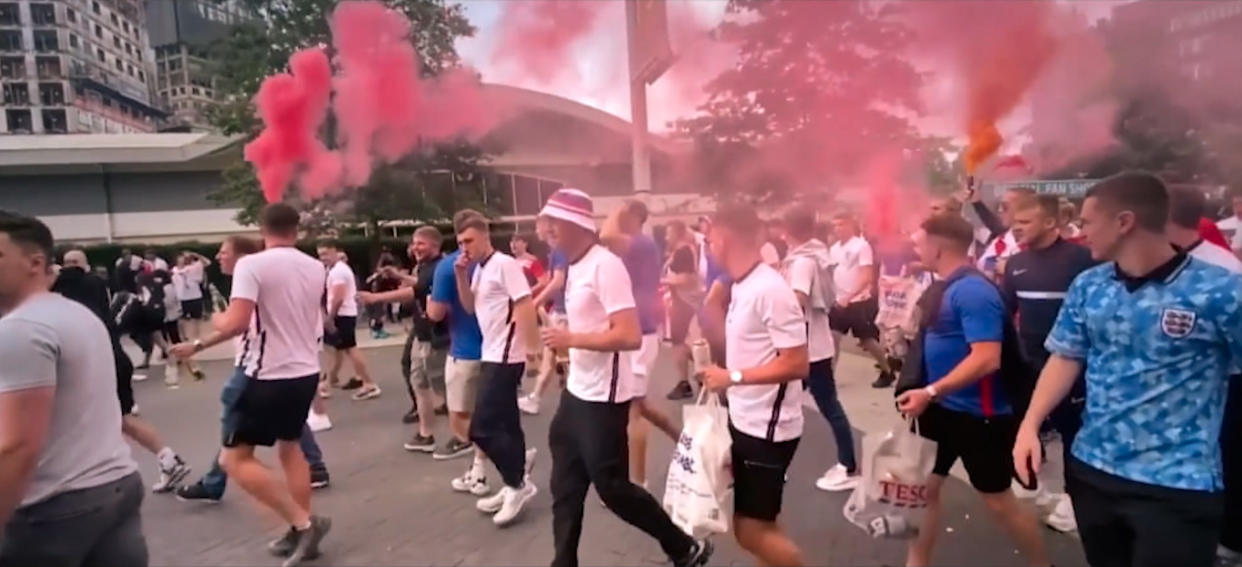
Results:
x,y
16,94
73,41
116,42
54,121
130,69
194,91
125,26
142,76
174,64
51,94
181,90
46,40
95,7
19,121
48,67
129,49
107,102
71,15
99,53
9,16
98,31
43,14
10,40
116,21
119,66
13,67
526,195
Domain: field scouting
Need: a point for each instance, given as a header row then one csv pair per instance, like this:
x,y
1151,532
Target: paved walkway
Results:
x,y
395,508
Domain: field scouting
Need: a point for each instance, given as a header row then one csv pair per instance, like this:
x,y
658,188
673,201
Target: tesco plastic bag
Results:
x,y
889,501
700,475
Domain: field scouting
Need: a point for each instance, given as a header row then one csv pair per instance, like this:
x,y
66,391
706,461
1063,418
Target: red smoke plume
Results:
x,y
292,107
383,107
538,36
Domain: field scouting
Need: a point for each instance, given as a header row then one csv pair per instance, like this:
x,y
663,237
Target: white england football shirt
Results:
x,y
851,258
596,287
286,287
498,284
341,273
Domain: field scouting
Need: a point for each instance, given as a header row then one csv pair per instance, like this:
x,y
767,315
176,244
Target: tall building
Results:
x,y
181,34
75,66
1192,44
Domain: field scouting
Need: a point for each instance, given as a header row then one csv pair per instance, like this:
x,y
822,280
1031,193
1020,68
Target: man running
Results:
x,y
807,269
766,355
623,235
588,434
70,493
853,275
1158,333
342,323
277,295
498,295
76,283
211,487
426,349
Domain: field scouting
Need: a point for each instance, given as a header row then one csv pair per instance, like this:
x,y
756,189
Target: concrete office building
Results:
x,y
75,66
152,188
181,33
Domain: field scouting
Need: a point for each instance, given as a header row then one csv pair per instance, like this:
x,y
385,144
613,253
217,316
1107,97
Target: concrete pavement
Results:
x,y
391,507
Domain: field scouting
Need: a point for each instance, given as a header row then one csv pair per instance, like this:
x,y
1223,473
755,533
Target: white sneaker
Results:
x,y
171,477
318,422
493,503
836,479
529,404
515,500
475,484
139,377
1062,517
134,410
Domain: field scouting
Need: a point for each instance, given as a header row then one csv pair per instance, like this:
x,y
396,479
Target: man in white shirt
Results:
x,y
853,276
151,262
766,354
188,276
341,323
1232,226
499,296
277,295
807,268
588,435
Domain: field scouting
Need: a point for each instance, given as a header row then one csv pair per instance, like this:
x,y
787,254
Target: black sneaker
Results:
x,y
285,544
453,449
320,478
197,493
307,547
410,416
698,556
421,444
884,380
682,391
352,384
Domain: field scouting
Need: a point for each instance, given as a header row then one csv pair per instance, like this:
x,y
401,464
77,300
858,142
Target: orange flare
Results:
x,y
984,141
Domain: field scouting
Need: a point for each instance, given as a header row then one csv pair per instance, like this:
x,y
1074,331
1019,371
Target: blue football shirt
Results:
x,y
642,261
1157,364
558,261
467,340
971,311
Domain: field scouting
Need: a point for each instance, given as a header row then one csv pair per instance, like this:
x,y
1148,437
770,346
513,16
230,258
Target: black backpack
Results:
x,y
1015,374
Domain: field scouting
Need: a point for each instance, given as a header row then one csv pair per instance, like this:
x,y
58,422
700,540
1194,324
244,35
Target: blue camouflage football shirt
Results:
x,y
1157,365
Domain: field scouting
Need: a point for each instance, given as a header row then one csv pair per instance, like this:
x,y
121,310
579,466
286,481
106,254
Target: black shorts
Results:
x,y
172,332
857,319
759,468
985,445
345,336
267,411
124,378
192,309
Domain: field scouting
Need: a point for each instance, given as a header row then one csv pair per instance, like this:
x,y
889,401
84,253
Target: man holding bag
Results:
x,y
962,404
765,347
588,436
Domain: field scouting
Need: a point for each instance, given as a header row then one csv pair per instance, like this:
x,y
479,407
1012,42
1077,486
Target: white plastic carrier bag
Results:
x,y
700,474
890,500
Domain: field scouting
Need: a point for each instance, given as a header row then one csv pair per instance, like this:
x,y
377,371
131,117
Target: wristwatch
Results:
x,y
198,345
735,376
932,392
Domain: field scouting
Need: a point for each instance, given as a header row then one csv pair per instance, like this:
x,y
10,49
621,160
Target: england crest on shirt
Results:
x,y
1177,323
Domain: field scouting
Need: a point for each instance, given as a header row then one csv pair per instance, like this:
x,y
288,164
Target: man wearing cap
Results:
x,y
588,436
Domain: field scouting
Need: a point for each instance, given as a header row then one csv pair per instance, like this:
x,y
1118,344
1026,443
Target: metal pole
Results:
x,y
641,160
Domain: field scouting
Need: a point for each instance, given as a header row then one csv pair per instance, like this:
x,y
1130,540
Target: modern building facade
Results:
x,y
181,33
75,66
153,188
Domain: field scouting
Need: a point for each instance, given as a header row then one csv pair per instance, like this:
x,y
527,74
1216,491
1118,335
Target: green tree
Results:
x,y
819,88
261,48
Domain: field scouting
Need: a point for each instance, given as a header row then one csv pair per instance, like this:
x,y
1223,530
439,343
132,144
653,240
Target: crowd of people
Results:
x,y
1117,329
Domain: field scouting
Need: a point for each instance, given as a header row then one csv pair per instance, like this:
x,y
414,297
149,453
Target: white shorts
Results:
x,y
642,361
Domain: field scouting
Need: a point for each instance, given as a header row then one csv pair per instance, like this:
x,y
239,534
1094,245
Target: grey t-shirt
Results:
x,y
53,341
